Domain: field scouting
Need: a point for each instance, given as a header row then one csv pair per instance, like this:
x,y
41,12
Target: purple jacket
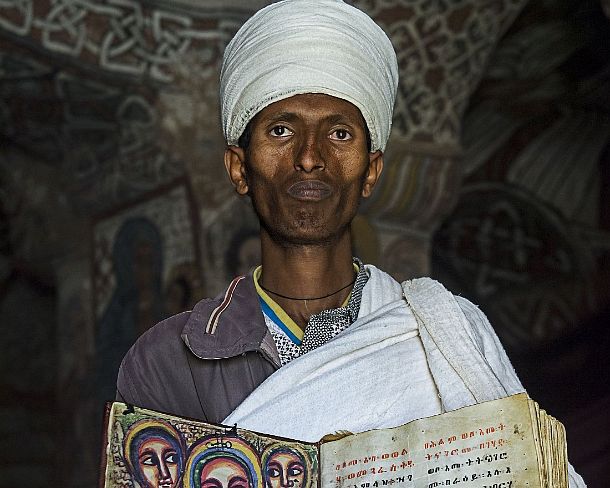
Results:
x,y
204,363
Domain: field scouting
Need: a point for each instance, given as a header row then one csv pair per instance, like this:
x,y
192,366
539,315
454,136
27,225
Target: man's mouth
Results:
x,y
310,190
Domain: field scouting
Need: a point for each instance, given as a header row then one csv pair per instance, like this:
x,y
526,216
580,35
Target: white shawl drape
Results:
x,y
357,382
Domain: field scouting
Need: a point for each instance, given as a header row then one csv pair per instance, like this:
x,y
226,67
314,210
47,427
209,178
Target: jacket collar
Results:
x,y
227,325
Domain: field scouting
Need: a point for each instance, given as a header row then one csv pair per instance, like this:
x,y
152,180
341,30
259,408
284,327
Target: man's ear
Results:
x,y
235,162
373,173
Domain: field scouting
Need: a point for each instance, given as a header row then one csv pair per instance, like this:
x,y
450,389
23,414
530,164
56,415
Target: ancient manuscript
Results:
x,y
507,443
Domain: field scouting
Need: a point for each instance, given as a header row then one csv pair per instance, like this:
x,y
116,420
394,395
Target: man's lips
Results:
x,y
311,190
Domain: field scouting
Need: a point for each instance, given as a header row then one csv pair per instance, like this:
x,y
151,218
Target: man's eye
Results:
x,y
273,472
280,131
340,135
295,471
171,458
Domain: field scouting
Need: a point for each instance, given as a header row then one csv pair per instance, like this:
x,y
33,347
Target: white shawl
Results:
x,y
354,382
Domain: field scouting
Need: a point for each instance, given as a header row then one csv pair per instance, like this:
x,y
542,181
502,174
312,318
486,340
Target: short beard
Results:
x,y
283,237
289,237
292,240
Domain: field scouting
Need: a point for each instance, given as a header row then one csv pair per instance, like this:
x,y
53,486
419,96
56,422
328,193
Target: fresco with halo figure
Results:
x,y
146,266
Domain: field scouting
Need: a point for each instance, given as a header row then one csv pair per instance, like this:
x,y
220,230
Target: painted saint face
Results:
x,y
285,469
224,473
158,462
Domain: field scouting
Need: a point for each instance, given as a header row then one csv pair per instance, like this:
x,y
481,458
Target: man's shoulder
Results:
x,y
427,296
162,343
163,333
170,366
429,293
227,324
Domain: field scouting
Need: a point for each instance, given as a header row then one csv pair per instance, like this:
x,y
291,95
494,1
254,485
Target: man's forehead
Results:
x,y
309,46
312,106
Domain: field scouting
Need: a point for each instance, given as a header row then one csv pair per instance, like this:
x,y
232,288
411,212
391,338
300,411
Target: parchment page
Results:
x,y
539,441
490,445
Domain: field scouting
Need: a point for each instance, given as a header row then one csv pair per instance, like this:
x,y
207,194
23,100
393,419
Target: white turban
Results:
x,y
309,46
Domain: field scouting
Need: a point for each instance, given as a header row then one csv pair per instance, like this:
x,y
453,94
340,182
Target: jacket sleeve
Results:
x,y
126,391
155,372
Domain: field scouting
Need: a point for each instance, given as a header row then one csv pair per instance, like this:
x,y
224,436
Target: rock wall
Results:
x,y
116,212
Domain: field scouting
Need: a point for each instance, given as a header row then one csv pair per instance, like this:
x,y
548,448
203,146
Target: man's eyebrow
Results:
x,y
330,119
287,116
342,119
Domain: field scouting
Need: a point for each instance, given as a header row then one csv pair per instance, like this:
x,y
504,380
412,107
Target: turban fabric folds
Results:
x,y
309,46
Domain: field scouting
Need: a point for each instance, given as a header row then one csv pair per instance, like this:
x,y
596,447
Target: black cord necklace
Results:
x,y
308,299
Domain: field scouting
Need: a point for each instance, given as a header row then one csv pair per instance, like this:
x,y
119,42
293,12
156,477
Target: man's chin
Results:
x,y
304,236
305,226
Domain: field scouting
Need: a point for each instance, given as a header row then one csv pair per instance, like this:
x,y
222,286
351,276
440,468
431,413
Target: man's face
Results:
x,y
306,168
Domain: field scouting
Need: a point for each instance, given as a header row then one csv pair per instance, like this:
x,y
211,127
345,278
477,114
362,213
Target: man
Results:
x,y
307,92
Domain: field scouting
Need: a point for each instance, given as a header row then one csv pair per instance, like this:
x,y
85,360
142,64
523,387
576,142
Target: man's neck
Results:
x,y
305,273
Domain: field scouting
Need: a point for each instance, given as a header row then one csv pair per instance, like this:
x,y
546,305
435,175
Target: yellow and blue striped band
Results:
x,y
276,313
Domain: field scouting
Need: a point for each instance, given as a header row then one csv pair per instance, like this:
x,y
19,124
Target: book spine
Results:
x,y
318,444
103,457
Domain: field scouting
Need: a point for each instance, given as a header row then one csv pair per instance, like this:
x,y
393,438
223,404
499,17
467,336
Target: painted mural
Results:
x,y
146,267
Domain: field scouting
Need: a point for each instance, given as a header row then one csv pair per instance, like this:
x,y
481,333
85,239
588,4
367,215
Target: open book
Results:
x,y
506,443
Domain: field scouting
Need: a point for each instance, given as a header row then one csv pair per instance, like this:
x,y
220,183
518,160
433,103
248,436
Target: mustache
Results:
x,y
310,189
310,185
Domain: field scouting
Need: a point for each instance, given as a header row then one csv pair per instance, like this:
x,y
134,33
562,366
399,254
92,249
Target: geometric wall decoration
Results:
x,y
442,50
518,259
125,37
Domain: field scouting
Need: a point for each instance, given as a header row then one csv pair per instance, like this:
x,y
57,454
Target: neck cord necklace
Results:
x,y
308,299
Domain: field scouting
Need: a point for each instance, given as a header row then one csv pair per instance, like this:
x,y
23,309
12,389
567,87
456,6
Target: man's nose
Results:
x,y
309,156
